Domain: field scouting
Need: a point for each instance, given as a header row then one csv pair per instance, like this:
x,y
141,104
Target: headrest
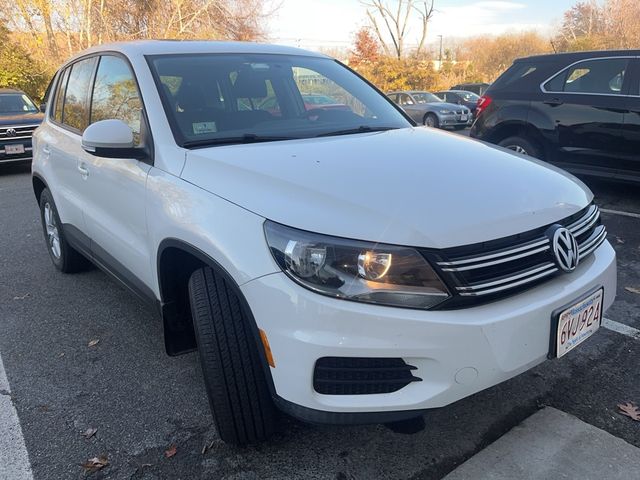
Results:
x,y
250,84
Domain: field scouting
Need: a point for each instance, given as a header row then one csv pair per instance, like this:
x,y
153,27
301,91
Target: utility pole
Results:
x,y
440,59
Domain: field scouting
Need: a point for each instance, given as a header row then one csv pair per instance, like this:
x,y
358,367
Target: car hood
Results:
x,y
413,186
21,119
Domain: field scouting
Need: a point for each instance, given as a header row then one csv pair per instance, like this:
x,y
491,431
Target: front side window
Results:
x,y
76,99
15,104
215,98
426,97
604,76
115,94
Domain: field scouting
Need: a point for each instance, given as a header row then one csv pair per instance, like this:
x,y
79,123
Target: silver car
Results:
x,y
427,109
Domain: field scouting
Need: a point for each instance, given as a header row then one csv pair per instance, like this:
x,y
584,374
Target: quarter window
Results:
x,y
76,98
604,76
59,99
115,94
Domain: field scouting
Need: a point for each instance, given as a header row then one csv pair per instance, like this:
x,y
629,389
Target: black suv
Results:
x,y
19,117
580,111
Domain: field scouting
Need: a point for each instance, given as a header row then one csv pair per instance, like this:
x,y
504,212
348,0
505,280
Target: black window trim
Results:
x,y
149,143
625,88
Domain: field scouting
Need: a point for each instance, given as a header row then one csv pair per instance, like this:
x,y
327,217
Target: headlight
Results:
x,y
445,112
355,270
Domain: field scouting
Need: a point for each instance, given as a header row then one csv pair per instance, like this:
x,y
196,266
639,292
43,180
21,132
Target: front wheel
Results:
x,y
240,401
431,120
521,145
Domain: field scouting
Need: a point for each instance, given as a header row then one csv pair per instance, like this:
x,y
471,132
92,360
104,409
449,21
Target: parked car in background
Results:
x,y
427,109
460,97
340,266
19,117
311,102
580,111
477,88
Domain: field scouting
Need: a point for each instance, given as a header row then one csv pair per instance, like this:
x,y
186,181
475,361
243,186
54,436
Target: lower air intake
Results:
x,y
361,376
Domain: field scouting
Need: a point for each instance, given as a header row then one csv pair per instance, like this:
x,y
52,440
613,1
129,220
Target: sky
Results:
x,y
332,23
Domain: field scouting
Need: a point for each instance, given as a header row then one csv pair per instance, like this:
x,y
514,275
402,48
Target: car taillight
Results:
x,y
483,103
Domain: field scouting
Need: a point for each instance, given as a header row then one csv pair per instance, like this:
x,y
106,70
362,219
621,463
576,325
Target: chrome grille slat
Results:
x,y
481,286
511,285
490,272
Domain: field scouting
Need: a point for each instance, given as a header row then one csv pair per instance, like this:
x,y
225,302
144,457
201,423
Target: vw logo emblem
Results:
x,y
11,132
565,249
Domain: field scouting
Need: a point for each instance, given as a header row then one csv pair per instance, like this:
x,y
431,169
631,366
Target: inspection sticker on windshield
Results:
x,y
578,322
204,127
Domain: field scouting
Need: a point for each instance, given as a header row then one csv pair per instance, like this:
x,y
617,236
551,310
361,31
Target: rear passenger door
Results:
x,y
587,103
61,148
630,162
414,110
114,189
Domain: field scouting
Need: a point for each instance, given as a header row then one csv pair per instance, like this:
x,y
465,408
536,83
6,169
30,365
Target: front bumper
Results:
x,y
454,120
17,157
457,352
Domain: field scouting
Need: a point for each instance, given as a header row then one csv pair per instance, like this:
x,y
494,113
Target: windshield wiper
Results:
x,y
240,139
360,129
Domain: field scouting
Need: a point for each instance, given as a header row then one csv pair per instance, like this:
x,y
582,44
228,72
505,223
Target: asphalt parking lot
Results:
x,y
142,402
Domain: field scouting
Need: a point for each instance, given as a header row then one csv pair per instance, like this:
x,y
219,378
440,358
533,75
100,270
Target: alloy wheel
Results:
x,y
53,236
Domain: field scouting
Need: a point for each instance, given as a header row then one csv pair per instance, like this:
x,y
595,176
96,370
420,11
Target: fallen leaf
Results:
x,y
89,432
22,297
619,240
93,342
633,289
61,355
171,451
96,463
630,410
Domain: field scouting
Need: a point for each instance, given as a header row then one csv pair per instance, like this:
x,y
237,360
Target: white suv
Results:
x,y
328,259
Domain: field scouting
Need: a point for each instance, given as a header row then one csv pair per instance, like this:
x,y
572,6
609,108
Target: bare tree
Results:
x,y
391,19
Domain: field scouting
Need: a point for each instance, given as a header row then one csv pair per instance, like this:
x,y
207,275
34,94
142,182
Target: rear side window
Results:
x,y
115,94
517,73
605,76
76,98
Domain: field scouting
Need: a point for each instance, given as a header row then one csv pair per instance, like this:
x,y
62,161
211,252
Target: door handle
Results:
x,y
46,150
554,102
82,168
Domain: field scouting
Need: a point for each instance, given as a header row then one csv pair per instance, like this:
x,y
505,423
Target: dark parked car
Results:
x,y
460,97
427,109
477,88
580,111
19,117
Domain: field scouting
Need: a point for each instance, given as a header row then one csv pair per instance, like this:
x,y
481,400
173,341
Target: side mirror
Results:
x,y
111,139
43,107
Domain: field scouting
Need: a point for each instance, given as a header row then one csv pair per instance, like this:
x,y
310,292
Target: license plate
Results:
x,y
578,322
13,149
463,118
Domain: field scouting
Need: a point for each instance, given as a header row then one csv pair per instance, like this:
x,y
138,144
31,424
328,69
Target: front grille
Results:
x,y
361,376
22,132
502,267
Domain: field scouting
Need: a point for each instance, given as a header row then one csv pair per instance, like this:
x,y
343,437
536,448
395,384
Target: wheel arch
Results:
x,y
176,261
520,129
38,185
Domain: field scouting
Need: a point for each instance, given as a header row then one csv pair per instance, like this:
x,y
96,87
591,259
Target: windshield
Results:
x,y
426,97
16,103
218,98
469,96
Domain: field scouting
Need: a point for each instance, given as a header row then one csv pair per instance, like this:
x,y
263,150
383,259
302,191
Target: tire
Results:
x,y
459,127
522,145
242,407
64,257
431,120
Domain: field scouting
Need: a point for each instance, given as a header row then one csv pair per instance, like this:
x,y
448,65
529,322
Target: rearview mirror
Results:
x,y
111,139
